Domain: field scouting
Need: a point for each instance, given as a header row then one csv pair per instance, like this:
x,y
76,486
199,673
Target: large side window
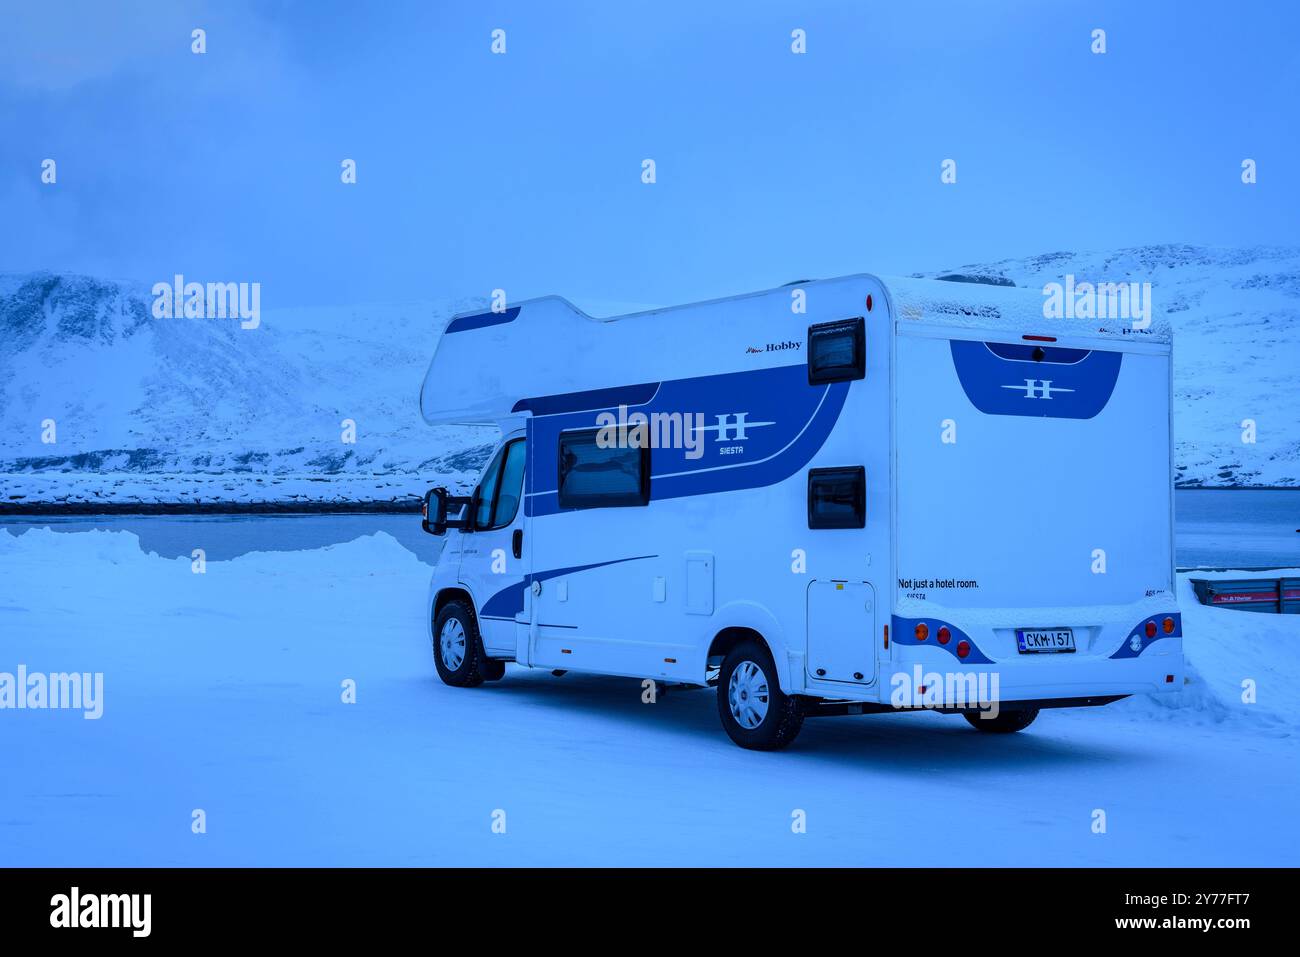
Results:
x,y
837,351
596,477
503,484
837,498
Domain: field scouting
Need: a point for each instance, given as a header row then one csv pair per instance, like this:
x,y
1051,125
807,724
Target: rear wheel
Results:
x,y
458,649
1006,722
755,713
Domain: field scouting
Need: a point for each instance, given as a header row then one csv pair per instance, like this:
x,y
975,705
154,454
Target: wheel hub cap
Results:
x,y
747,695
451,644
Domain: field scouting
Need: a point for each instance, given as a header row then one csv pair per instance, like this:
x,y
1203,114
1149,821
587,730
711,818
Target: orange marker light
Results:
x,y
922,631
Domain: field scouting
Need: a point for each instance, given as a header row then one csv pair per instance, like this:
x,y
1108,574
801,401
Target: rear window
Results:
x,y
837,351
595,477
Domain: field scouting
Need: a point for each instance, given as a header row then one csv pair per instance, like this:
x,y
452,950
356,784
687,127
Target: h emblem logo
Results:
x,y
1038,388
732,427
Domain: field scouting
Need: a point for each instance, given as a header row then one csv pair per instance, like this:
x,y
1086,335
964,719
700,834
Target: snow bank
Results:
x,y
1241,666
81,553
1230,651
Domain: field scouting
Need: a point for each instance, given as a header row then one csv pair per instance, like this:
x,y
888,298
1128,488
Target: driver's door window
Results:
x,y
501,489
488,492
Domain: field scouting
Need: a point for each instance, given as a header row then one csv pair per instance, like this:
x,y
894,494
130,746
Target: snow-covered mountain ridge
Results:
x,y
188,411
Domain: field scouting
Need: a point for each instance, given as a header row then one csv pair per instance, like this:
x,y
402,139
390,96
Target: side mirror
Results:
x,y
435,504
434,518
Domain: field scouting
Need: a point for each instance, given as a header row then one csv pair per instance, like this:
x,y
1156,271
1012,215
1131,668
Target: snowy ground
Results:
x,y
222,693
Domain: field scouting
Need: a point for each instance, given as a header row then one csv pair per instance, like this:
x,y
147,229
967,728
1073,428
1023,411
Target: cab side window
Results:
x,y
502,487
511,486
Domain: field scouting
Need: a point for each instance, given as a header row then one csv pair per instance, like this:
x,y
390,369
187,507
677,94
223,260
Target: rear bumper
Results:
x,y
1115,656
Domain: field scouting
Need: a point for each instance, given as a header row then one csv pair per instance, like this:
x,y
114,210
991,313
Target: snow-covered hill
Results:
x,y
201,411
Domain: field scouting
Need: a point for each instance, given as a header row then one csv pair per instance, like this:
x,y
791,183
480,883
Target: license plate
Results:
x,y
1044,640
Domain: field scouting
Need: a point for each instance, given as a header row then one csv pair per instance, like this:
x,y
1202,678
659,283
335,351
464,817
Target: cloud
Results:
x,y
59,45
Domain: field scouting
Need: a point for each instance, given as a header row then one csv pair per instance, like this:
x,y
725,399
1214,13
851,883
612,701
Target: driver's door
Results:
x,y
492,562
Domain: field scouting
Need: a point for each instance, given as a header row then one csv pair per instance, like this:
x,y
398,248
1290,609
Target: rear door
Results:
x,y
1031,475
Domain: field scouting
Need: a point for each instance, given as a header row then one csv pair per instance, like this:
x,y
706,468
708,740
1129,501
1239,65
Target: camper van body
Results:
x,y
952,502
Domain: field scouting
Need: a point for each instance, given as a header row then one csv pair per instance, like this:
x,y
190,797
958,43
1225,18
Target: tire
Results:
x,y
755,713
1007,722
458,649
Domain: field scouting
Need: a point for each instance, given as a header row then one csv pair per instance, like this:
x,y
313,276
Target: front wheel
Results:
x,y
1007,722
755,713
458,649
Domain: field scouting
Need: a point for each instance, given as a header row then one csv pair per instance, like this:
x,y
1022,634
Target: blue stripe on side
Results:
x,y
466,323
785,420
784,463
1001,385
628,395
509,601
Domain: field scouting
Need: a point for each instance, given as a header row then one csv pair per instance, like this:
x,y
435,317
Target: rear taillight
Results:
x,y
1151,629
922,631
1169,626
963,648
943,634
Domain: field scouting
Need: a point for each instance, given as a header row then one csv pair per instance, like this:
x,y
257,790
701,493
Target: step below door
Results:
x,y
841,629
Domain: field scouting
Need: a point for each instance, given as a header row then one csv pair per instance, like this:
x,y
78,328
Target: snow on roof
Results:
x,y
975,305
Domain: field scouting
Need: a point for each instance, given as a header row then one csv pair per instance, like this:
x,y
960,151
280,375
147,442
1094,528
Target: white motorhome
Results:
x,y
834,497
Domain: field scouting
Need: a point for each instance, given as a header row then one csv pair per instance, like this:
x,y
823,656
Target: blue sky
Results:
x,y
523,171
